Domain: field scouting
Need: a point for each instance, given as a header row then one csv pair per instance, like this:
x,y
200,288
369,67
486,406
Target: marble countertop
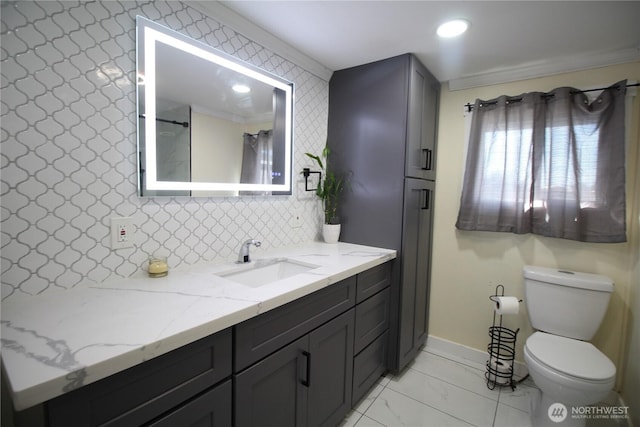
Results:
x,y
56,342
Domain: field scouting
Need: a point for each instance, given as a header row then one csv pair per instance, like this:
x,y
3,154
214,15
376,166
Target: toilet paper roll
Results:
x,y
506,305
500,366
501,371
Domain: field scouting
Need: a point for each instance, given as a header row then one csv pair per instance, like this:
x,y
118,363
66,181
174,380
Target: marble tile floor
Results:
x,y
438,390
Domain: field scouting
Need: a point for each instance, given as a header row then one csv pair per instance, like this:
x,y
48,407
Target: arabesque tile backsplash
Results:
x,y
68,149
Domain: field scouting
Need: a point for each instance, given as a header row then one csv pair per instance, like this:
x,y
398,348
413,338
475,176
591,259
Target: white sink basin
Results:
x,y
265,271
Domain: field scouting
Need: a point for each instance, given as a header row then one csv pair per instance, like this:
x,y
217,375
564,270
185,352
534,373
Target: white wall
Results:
x,y
468,265
217,149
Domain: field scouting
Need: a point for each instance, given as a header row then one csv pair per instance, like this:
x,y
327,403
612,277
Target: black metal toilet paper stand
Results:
x,y
501,350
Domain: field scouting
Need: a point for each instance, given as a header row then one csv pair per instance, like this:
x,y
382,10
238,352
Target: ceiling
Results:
x,y
507,40
183,78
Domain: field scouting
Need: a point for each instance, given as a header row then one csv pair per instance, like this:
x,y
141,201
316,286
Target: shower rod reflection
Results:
x,y
173,122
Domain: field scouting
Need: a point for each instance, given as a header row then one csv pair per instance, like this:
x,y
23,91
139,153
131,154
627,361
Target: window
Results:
x,y
549,164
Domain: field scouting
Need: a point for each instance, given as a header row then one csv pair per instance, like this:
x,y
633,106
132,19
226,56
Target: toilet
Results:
x,y
566,309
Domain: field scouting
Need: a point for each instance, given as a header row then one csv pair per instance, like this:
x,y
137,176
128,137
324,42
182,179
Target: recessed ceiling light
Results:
x,y
453,28
241,88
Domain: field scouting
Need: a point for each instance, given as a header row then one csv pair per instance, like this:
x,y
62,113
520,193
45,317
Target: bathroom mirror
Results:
x,y
208,123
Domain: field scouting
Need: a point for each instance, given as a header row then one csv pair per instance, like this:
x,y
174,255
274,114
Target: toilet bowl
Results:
x,y
566,308
568,371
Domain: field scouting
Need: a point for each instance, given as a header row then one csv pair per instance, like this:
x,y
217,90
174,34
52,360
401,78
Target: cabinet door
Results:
x,y
424,92
366,133
416,248
273,392
423,266
331,371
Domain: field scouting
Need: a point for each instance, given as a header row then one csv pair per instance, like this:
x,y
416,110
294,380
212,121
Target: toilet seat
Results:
x,y
570,357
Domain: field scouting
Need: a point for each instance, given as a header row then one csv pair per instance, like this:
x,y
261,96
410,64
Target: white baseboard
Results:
x,y
467,355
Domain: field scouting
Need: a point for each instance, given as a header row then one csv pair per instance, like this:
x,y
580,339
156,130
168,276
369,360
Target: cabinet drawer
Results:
x,y
266,333
211,409
143,392
368,366
372,319
373,280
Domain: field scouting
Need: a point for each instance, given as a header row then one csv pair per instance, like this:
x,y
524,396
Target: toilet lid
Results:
x,y
569,356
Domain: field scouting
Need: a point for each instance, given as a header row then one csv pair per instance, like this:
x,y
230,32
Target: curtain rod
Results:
x,y
173,122
256,134
469,106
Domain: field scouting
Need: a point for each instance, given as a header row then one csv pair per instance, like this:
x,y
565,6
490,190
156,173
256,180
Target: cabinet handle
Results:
x,y
428,158
427,198
307,381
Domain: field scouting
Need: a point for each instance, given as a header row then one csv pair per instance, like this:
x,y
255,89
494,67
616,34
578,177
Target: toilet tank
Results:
x,y
566,303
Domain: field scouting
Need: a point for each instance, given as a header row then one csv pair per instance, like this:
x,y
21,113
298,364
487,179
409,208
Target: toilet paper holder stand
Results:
x,y
501,349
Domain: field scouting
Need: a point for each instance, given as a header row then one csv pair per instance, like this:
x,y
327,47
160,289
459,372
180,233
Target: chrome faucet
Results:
x,y
243,256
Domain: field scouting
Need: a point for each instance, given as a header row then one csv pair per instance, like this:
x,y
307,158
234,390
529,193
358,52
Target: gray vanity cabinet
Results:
x,y
306,363
306,383
184,387
382,135
300,361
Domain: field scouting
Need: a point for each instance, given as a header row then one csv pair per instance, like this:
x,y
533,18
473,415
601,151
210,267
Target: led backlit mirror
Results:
x,y
208,123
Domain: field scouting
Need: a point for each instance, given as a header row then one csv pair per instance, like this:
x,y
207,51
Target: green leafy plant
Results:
x,y
329,188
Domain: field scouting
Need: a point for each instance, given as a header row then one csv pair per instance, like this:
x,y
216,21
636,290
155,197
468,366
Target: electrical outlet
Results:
x,y
296,218
121,233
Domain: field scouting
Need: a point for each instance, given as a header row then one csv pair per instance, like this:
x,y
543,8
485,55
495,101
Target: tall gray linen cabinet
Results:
x,y
382,135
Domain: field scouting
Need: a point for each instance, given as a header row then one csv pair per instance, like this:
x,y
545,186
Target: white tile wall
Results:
x,y
68,148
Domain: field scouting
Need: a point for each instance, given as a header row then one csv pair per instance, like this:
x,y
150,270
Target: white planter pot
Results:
x,y
330,233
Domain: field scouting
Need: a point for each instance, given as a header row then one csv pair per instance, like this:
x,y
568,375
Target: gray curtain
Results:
x,y
548,163
257,158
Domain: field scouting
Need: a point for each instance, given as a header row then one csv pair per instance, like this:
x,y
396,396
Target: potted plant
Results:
x,y
329,189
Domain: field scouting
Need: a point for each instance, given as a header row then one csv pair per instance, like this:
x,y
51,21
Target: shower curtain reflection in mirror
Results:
x,y
264,152
257,159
